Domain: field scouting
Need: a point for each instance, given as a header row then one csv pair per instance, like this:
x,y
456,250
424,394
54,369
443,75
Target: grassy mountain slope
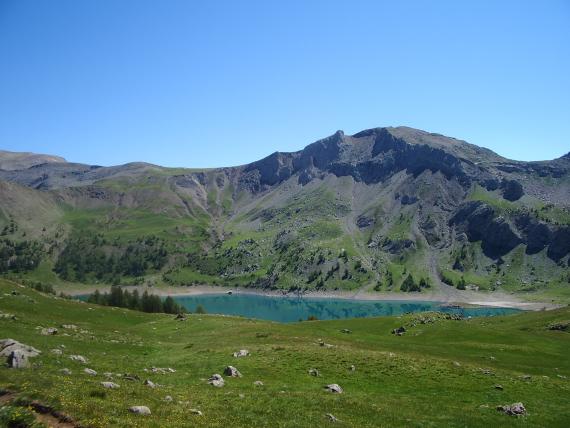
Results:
x,y
455,364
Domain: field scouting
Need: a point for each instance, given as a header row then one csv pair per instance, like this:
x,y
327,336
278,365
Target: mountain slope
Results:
x,y
347,212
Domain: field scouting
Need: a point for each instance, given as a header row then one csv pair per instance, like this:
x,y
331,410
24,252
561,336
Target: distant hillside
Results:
x,y
10,161
386,209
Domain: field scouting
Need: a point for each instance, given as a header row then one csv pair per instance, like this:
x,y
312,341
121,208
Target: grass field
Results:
x,y
434,375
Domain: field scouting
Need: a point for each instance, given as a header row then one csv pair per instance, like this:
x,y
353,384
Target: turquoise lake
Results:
x,y
290,309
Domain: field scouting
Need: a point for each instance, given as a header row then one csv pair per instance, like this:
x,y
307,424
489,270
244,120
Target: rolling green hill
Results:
x,y
439,373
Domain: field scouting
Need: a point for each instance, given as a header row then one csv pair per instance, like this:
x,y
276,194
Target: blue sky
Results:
x,y
200,84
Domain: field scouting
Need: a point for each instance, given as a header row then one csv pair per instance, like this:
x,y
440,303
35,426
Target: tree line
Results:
x,y
19,256
146,302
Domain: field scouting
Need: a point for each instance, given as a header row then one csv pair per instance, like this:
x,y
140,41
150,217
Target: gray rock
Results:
x,y
140,410
515,409
352,368
168,399
49,331
90,372
216,380
334,388
232,371
17,353
346,330
331,417
78,358
66,372
196,412
149,383
69,326
499,387
314,372
110,385
9,345
399,331
241,353
56,351
258,383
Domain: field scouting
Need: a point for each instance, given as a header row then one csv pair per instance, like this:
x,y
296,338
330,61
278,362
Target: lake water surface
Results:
x,y
289,309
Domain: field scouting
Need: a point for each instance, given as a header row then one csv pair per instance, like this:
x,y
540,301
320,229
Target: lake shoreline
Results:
x,y
449,297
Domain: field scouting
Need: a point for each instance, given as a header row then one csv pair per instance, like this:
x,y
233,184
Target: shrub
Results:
x,y
17,417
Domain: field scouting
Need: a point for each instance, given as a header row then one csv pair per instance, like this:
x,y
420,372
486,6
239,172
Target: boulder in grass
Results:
x,y
216,380
150,383
258,383
399,331
515,409
331,417
334,388
17,353
110,385
196,412
140,410
90,372
79,358
314,372
232,371
241,353
49,331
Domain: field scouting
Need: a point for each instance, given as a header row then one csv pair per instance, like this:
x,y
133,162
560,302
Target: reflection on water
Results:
x,y
289,309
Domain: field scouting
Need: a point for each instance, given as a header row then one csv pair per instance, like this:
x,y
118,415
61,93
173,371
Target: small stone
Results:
x,y
78,358
258,383
399,331
334,388
499,387
196,412
241,353
56,352
526,377
346,330
331,417
66,372
216,380
110,385
352,368
168,399
90,372
149,383
140,410
232,371
69,326
457,364
314,372
49,331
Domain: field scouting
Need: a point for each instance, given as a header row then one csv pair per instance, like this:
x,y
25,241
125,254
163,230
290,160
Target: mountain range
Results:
x,y
386,209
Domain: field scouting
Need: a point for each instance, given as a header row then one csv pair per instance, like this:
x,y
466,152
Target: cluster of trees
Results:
x,y
410,284
10,228
145,303
92,257
19,256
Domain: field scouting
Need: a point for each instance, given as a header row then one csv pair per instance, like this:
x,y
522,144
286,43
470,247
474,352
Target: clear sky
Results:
x,y
210,83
